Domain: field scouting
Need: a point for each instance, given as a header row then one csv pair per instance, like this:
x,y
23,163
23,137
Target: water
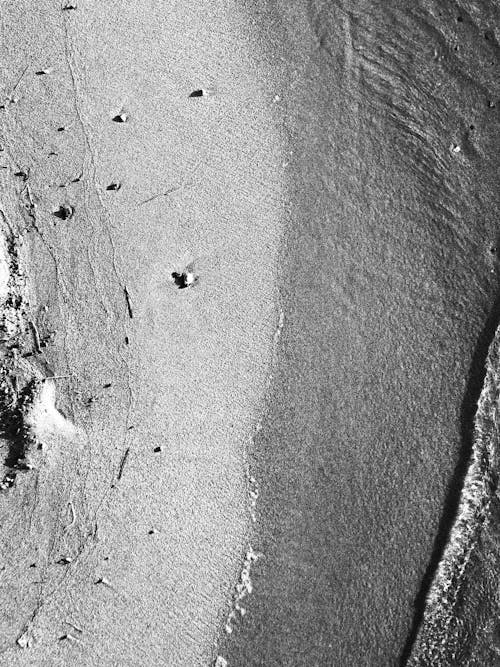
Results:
x,y
389,298
461,624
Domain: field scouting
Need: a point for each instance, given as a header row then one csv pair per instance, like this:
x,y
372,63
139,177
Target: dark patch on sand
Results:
x,y
128,301
122,117
180,279
64,212
114,187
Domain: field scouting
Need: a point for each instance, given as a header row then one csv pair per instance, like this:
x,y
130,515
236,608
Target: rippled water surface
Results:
x,y
390,304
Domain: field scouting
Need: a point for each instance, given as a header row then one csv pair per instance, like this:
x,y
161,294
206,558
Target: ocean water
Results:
x,y
461,624
390,301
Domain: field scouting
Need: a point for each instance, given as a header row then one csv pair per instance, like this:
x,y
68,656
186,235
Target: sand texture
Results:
x,y
249,295
125,516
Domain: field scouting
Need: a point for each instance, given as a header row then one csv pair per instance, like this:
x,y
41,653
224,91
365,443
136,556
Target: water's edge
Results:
x,y
457,619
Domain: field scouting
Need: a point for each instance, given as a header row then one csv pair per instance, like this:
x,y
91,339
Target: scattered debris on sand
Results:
x,y
121,117
123,462
27,397
201,92
68,637
64,212
65,560
186,278
114,186
103,581
129,303
19,380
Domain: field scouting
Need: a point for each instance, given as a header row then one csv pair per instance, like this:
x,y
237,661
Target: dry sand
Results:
x,y
124,539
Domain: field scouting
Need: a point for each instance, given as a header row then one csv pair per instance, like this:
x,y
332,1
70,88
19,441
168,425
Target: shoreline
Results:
x,y
265,262
444,635
390,281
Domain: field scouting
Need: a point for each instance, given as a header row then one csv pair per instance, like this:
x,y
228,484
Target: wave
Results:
x,y
459,625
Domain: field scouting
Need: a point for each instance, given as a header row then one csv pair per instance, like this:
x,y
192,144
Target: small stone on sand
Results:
x,y
120,118
64,212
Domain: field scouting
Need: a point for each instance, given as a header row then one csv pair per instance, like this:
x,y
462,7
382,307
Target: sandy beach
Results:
x,y
124,539
249,279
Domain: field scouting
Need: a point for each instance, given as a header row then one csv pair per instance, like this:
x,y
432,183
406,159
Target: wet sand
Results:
x,y
390,303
